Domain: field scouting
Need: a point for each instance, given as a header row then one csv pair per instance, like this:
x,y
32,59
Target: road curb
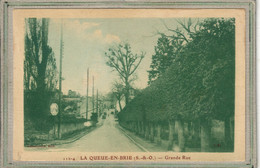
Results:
x,y
77,138
71,139
131,139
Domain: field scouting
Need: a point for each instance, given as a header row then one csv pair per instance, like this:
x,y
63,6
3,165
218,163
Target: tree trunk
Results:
x,y
27,77
131,126
127,88
152,132
119,103
139,127
135,127
229,133
171,133
181,139
197,129
46,51
158,139
232,130
143,128
189,132
205,136
146,130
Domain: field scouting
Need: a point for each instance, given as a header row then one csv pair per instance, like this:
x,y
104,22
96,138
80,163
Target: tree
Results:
x,y
40,71
170,46
216,43
121,59
118,91
40,63
207,68
163,57
198,87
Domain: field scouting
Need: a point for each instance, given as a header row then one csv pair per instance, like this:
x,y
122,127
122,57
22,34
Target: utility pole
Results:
x,y
60,79
93,98
87,95
97,104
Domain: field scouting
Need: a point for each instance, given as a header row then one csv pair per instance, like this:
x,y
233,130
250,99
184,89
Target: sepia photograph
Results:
x,y
129,86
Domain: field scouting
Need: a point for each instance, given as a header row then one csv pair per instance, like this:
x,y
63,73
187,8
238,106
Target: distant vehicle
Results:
x,y
104,117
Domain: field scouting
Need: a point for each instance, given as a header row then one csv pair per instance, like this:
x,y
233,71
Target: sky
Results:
x,y
87,40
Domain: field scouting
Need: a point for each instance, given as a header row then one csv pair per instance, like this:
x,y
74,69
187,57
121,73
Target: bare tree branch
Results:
x,y
136,66
124,62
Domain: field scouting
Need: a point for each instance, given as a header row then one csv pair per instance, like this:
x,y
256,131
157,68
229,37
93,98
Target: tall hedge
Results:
x,y
199,84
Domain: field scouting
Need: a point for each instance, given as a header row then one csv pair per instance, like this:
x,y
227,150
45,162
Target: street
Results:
x,y
106,138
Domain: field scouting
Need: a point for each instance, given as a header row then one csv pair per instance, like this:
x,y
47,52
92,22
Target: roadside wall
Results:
x,y
66,128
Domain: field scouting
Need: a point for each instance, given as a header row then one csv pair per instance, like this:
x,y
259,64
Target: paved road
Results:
x,y
106,138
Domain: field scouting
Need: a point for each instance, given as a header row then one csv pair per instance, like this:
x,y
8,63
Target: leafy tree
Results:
x,y
118,91
205,86
40,72
169,46
163,57
196,69
217,44
40,63
121,59
198,86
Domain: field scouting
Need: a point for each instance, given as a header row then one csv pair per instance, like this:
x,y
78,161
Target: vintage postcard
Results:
x,y
129,86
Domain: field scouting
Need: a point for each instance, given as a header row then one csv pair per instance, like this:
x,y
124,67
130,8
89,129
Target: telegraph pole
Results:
x,y
87,95
93,98
60,79
97,103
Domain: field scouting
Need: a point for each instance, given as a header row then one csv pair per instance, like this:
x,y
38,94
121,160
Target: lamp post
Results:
x,y
60,80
